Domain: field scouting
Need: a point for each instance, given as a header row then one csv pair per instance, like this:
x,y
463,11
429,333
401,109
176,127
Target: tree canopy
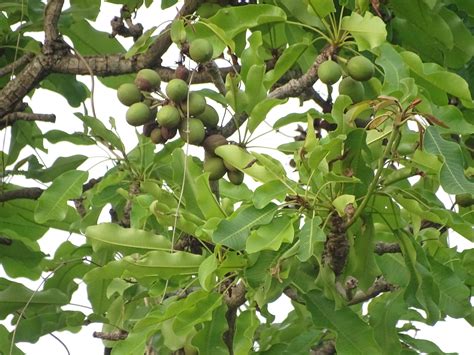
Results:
x,y
196,246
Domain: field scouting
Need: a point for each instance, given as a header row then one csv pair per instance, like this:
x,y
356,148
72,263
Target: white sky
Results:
x,y
452,335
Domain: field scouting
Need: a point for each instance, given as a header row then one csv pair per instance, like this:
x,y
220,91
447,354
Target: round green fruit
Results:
x,y
128,94
156,136
213,141
138,114
177,90
215,167
406,148
168,116
192,131
235,177
360,68
196,102
200,50
329,72
353,89
209,117
148,80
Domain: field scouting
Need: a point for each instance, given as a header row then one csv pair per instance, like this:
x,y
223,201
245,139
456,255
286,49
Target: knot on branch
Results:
x,y
125,28
336,248
113,336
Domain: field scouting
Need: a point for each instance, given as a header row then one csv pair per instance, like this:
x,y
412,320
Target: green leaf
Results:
x,y
142,44
271,236
233,232
73,91
284,63
272,190
81,9
77,138
260,111
244,161
246,325
368,31
5,341
394,68
452,176
322,8
101,132
163,265
19,260
206,273
344,322
112,236
60,165
209,339
309,235
52,204
437,76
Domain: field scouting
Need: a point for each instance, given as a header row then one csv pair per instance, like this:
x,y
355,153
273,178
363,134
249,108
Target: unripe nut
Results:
x,y
177,90
148,80
329,72
168,116
213,141
200,50
360,68
138,114
215,167
235,177
128,94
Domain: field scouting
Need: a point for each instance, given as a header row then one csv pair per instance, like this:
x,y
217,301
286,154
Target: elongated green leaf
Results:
x,y
101,132
284,63
452,176
52,204
142,43
111,235
260,111
354,336
209,339
271,236
206,199
60,165
78,138
246,325
437,76
233,232
66,85
269,191
368,31
310,234
163,265
5,341
206,273
322,8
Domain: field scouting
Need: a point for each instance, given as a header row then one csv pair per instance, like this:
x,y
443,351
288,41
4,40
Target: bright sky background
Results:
x,y
452,336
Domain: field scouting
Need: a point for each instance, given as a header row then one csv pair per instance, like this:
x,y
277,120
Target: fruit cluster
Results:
x,y
358,68
177,110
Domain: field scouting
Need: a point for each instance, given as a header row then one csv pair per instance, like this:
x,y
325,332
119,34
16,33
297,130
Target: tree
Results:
x,y
190,259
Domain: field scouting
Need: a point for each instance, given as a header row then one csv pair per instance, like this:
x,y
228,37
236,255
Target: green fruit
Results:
x,y
464,200
177,90
235,177
329,72
128,94
353,89
196,102
192,131
148,80
215,167
360,68
209,117
406,148
213,141
138,114
156,136
200,50
168,116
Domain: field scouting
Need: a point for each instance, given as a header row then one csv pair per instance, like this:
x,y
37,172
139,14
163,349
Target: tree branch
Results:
x,y
385,248
20,62
51,18
152,57
11,118
234,298
379,286
113,336
216,76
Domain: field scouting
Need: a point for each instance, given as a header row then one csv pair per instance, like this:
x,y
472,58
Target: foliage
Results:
x,y
190,261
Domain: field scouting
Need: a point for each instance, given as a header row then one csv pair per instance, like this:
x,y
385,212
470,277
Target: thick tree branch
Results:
x,y
385,248
11,118
295,87
51,18
152,57
379,286
20,62
234,298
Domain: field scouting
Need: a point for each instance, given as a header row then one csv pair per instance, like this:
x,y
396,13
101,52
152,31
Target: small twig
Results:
x,y
325,348
379,286
113,336
11,118
387,248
